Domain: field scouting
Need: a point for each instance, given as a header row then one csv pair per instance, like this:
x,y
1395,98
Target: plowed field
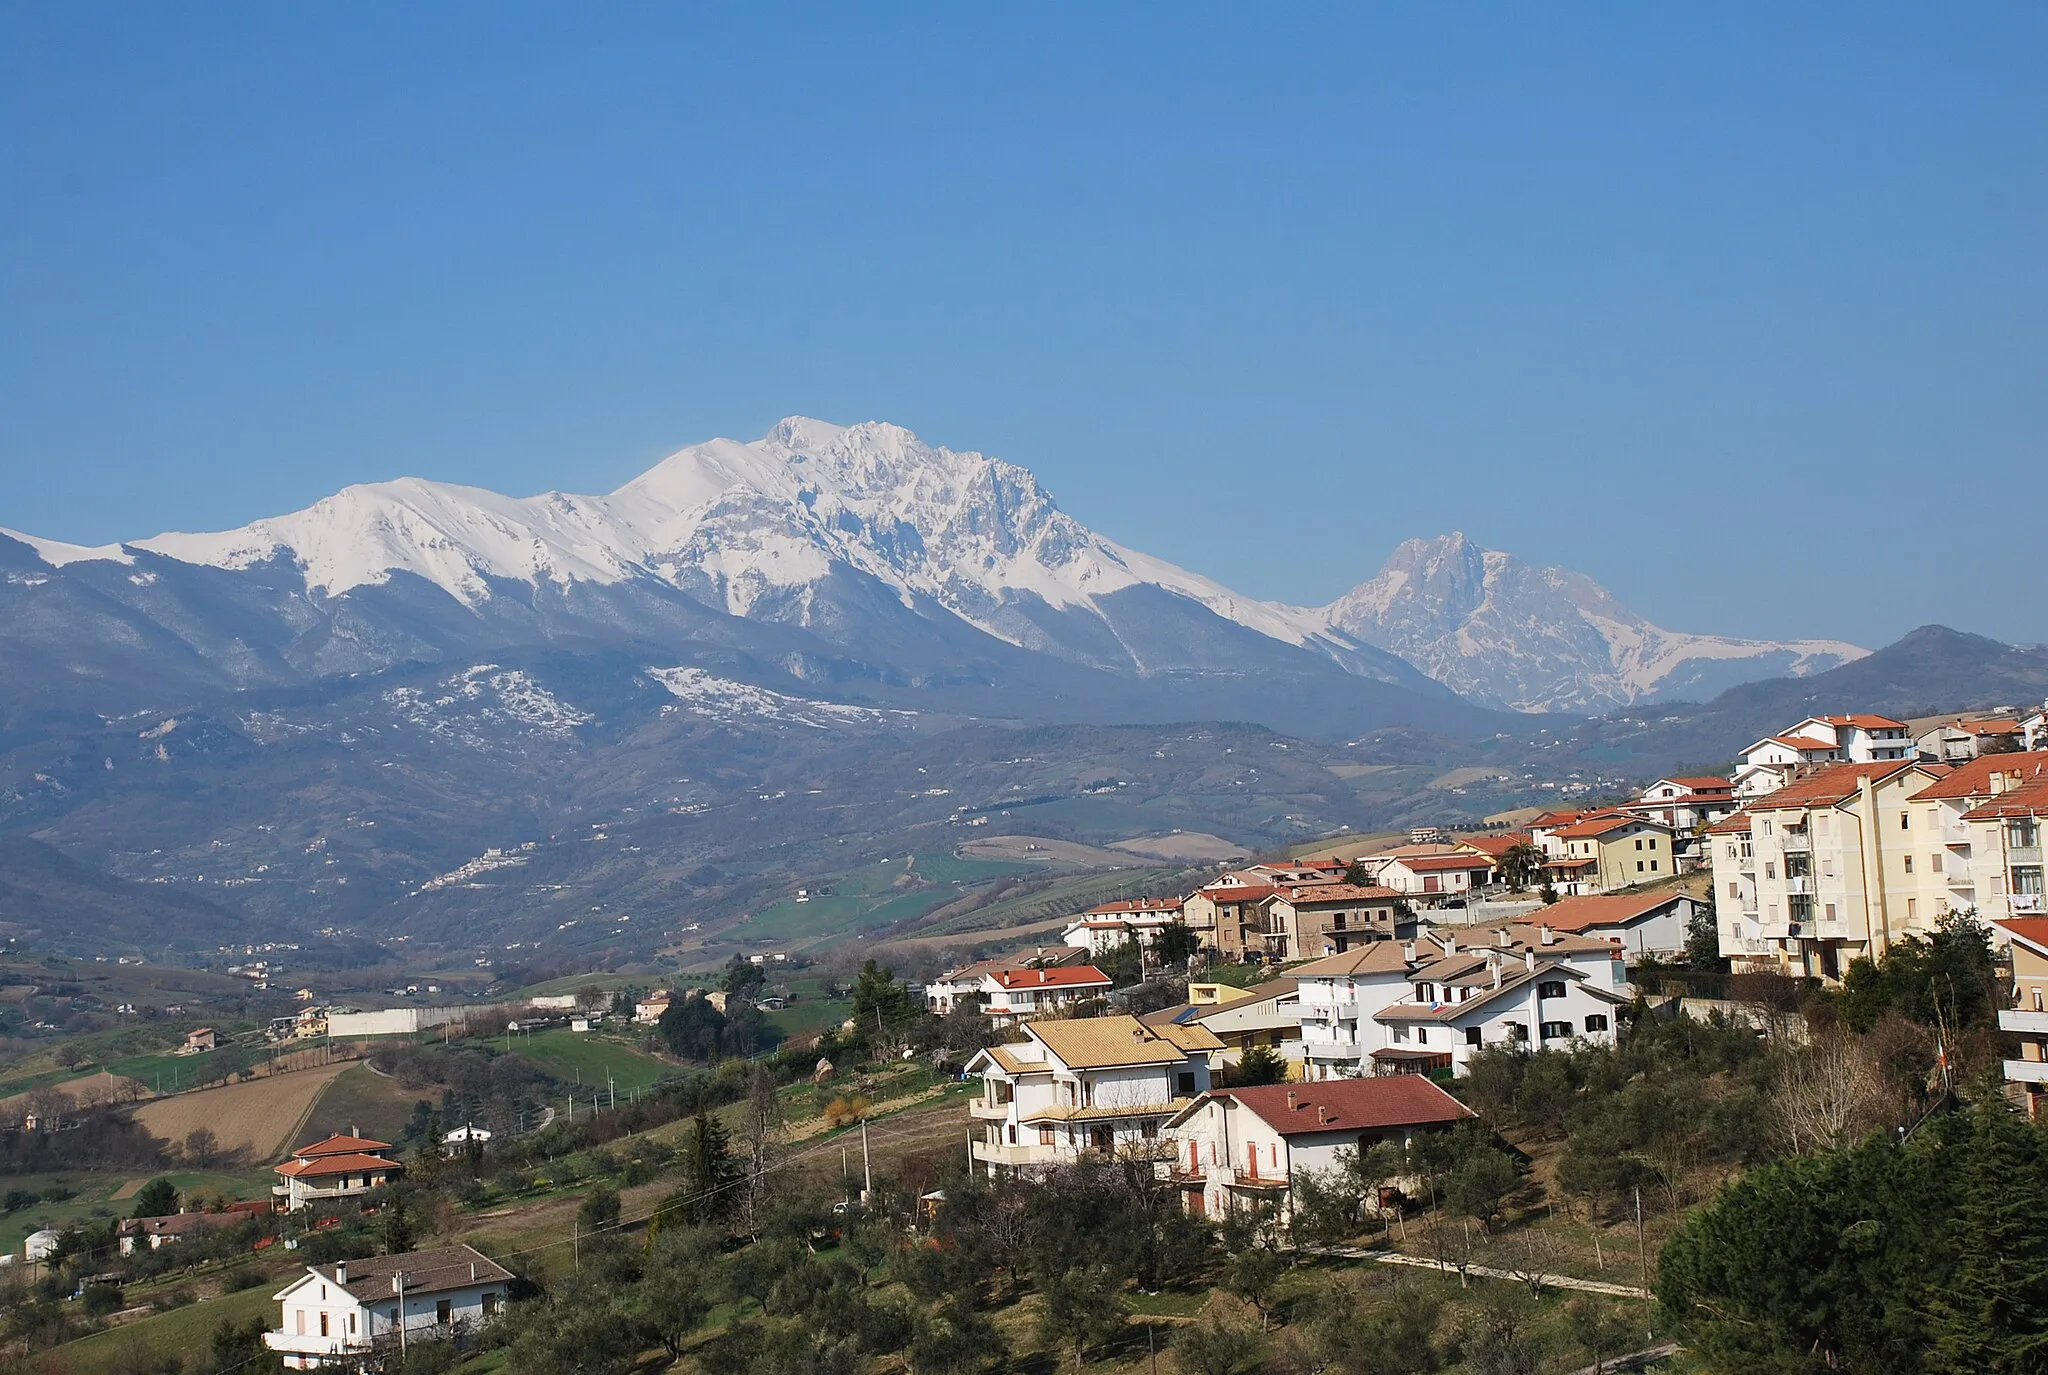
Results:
x,y
259,1116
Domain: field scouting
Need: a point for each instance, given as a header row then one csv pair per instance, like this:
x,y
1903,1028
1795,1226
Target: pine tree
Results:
x,y
1991,1318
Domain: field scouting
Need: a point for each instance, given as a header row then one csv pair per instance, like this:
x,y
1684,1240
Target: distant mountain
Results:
x,y
859,559
63,904
1514,635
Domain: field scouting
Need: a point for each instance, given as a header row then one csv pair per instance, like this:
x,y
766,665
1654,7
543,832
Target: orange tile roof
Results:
x,y
1973,777
1136,905
2032,930
2029,799
342,1145
1353,1105
1431,864
1833,784
1988,727
1703,783
336,1164
1863,721
1799,742
1605,909
1237,892
1601,825
1738,824
1495,843
1062,976
1339,892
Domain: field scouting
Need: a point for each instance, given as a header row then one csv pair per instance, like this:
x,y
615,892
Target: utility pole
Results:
x,y
398,1283
1642,1252
867,1167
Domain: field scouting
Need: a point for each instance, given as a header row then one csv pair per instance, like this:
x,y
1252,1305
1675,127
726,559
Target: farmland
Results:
x,y
259,1116
588,1058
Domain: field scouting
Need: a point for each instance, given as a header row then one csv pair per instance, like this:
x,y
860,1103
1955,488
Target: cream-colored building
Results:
x,y
2028,1016
1982,823
1610,851
1832,866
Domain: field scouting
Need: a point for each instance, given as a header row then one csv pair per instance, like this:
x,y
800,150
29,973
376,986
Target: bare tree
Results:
x,y
1827,1094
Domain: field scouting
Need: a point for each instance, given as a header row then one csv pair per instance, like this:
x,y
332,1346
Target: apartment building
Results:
x,y
1266,1014
1431,880
1298,921
2028,1017
1982,823
1959,741
963,985
1609,850
1857,738
1104,1084
1011,995
1103,929
1825,869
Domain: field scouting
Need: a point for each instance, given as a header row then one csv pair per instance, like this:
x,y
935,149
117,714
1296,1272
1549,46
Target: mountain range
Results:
x,y
859,559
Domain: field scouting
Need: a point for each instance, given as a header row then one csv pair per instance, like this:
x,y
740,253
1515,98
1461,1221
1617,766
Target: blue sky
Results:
x,y
1738,309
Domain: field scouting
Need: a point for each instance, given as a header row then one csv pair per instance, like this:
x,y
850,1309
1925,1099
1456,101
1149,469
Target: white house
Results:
x,y
961,986
650,1008
1435,878
1103,929
41,1245
1103,1084
1382,1009
452,1143
332,1314
1010,995
1237,1146
1654,923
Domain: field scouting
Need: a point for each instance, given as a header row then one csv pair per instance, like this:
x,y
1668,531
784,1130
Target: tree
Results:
x,y
879,1001
1478,1185
1220,1341
158,1198
693,1029
955,1339
709,1175
396,1230
1348,1335
599,1210
1324,1207
743,978
1600,1330
1497,1340
1258,1065
1084,1307
760,1122
1176,944
1521,862
1991,1312
1703,937
1253,1274
202,1147
673,1298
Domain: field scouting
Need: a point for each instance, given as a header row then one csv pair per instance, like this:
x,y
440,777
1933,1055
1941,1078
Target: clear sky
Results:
x,y
1739,309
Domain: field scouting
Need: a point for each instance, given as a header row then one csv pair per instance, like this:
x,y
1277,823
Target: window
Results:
x,y
1653,866
1425,993
1596,1021
1831,912
1184,1084
490,1304
1045,1136
1556,1031
323,1324
1400,1033
1639,866
2023,832
1912,908
2026,880
1827,868
1472,1032
442,1311
1934,863
1734,889
299,1320
1149,1130
1820,825
1767,826
1774,911
1517,1032
1550,988
1909,863
1905,821
1770,868
1639,842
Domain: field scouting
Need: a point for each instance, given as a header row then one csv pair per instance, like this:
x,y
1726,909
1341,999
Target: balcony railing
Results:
x,y
2023,854
1325,1049
986,1111
1797,843
1802,883
1012,1155
2026,1071
2014,1019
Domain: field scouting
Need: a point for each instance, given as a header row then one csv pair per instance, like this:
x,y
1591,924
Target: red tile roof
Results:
x,y
2032,930
1601,825
1136,905
1338,892
1495,843
1606,909
1353,1105
337,1164
2028,799
1864,721
1703,783
342,1145
1835,783
1973,777
1237,892
1430,864
1066,976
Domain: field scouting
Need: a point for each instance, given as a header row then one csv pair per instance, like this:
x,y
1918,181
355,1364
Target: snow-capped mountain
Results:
x,y
857,558
1510,634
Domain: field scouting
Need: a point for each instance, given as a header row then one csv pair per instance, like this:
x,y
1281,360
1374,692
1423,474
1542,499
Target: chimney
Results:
x,y
1529,960
1322,1115
1502,938
472,1272
1408,952
1041,976
1291,1104
1545,936
341,1272
1450,944
1496,974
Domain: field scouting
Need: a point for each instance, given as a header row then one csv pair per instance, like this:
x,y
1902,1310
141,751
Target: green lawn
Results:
x,y
946,868
95,1195
184,1332
815,1014
586,1057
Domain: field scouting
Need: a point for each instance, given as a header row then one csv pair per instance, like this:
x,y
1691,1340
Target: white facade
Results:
x,y
333,1314
1009,996
1103,1084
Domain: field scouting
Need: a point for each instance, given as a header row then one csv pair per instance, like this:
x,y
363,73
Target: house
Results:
x,y
1101,930
1609,850
1010,995
1687,805
1221,912
40,1245
650,1008
2028,1016
1982,822
1421,1005
1777,760
1103,1084
2034,729
155,1233
198,1041
1301,921
1267,1014
453,1143
1233,1147
1830,867
1958,741
333,1314
1654,923
339,1167
962,986
1433,879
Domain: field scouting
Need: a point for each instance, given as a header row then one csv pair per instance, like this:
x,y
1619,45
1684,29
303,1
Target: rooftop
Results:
x,y
426,1272
1347,1105
1106,1042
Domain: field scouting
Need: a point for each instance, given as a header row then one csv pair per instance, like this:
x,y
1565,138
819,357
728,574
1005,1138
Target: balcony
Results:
x,y
2032,1023
305,1344
2026,1071
1342,1010
985,1111
2023,854
1314,1048
1797,843
1801,884
1014,1157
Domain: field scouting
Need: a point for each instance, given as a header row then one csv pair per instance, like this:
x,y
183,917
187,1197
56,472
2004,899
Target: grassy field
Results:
x,y
948,868
109,1195
587,1057
362,1100
259,1116
184,1331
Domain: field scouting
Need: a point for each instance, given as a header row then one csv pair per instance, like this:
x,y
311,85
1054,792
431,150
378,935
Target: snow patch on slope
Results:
x,y
56,553
735,703
487,695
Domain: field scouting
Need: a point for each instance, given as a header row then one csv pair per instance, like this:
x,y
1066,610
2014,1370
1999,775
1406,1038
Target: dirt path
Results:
x,y
1619,1291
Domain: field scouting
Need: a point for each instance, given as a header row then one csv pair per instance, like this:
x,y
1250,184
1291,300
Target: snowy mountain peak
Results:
x,y
1491,627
